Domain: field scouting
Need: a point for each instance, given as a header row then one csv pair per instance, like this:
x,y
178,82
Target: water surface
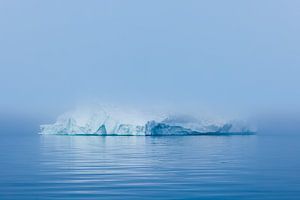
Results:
x,y
136,167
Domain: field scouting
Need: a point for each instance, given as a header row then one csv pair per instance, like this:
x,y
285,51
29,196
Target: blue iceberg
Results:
x,y
104,121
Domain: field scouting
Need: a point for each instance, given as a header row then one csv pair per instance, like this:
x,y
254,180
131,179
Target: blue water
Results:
x,y
176,167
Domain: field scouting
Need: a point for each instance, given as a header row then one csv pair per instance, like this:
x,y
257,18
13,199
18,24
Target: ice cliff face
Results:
x,y
108,121
101,121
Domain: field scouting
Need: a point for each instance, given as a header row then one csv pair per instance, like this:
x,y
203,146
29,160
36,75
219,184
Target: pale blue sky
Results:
x,y
234,54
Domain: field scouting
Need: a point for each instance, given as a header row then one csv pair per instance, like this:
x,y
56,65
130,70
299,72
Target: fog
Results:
x,y
224,56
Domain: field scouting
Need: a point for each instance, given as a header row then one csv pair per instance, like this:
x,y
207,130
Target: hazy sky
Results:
x,y
234,54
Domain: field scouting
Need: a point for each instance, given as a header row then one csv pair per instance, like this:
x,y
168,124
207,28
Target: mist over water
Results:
x,y
236,56
225,59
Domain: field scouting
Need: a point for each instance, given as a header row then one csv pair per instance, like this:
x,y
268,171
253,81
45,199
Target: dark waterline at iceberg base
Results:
x,y
262,166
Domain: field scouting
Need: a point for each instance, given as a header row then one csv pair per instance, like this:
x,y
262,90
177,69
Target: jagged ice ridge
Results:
x,y
104,121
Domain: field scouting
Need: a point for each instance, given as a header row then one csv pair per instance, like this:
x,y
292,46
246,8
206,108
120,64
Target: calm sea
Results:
x,y
262,166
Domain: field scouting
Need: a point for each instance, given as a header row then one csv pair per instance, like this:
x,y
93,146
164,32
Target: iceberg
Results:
x,y
112,121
